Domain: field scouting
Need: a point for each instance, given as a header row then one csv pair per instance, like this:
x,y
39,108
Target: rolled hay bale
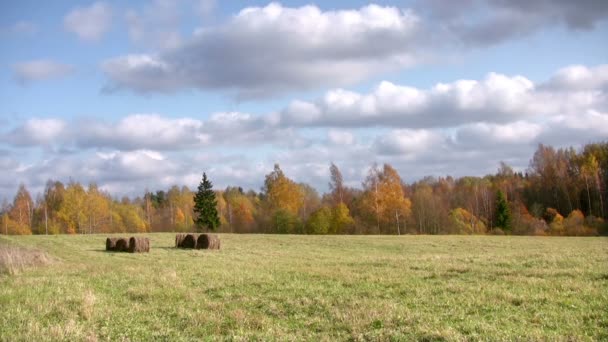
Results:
x,y
122,245
208,241
139,245
190,241
179,239
111,244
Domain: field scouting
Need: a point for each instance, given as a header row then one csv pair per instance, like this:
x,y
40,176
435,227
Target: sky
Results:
x,y
143,95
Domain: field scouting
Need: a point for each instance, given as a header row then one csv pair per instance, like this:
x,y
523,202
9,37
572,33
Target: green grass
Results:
x,y
270,287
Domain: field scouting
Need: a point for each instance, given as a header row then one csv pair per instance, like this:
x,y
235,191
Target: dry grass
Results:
x,y
14,259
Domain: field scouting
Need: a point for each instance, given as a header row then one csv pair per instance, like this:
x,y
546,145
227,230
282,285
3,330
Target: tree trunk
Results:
x,y
46,219
588,196
397,216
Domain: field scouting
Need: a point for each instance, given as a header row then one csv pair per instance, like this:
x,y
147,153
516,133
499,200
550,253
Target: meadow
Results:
x,y
288,287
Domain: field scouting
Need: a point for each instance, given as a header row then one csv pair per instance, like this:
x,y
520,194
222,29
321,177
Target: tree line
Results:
x,y
563,192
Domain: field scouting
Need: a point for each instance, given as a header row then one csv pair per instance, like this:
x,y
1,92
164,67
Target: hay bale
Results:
x,y
190,241
111,244
179,239
208,241
122,245
139,245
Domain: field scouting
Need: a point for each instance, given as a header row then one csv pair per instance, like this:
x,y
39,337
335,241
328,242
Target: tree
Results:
x,y
72,210
282,193
336,186
385,200
319,221
503,213
205,206
340,219
22,210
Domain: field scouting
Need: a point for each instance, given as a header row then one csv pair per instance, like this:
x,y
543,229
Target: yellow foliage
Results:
x,y
463,222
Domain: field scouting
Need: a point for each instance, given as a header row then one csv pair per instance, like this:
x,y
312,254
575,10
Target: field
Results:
x,y
271,287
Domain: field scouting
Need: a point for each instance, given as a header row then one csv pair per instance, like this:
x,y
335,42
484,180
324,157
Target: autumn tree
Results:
x,y
283,200
319,221
384,199
205,206
72,210
341,221
22,210
281,192
241,210
336,185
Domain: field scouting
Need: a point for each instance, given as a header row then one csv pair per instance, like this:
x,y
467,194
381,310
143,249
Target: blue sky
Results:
x,y
147,94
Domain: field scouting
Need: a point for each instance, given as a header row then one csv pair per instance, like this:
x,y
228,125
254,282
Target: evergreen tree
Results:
x,y
205,206
503,214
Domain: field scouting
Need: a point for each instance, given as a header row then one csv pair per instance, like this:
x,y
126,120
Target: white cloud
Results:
x,y
37,132
340,137
89,23
407,142
39,70
580,77
465,127
286,49
141,131
483,134
488,22
497,98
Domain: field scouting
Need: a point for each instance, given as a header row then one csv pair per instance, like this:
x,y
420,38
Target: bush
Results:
x,y
463,222
497,231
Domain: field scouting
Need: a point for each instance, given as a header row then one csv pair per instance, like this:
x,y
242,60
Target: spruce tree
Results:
x,y
205,206
503,214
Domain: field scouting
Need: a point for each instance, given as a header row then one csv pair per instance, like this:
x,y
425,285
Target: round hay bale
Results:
x,y
189,241
179,239
122,245
111,244
208,241
139,245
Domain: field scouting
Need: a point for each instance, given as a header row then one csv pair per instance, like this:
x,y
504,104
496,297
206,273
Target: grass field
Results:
x,y
270,287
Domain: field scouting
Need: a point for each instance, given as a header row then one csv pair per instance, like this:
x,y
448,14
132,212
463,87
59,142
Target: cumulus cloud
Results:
x,y
497,98
139,131
263,51
340,137
464,127
407,142
89,23
488,22
580,77
39,70
484,134
36,132
498,108
266,50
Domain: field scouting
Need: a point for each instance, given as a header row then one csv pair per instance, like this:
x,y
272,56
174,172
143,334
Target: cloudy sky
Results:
x,y
146,94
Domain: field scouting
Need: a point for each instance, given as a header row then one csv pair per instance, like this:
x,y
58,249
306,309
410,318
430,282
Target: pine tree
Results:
x,y
205,206
503,214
